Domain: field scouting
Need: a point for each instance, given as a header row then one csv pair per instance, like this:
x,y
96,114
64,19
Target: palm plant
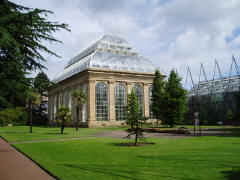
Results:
x,y
63,117
33,98
79,97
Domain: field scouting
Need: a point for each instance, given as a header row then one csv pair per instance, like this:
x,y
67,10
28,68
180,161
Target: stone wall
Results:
x,y
92,76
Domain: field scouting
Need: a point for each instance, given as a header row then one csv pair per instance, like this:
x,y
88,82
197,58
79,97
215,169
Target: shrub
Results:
x,y
16,116
38,119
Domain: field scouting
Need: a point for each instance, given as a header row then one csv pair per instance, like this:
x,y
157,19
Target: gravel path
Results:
x,y
122,134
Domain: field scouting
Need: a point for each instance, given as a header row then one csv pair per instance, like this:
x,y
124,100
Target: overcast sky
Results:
x,y
172,33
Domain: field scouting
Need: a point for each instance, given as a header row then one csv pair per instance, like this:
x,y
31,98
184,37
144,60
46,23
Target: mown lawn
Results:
x,y
21,133
195,158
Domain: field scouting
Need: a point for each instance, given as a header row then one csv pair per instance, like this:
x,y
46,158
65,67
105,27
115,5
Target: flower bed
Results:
x,y
174,131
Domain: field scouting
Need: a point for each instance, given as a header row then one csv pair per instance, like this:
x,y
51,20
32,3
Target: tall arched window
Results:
x,y
151,115
54,107
84,111
120,101
70,99
139,93
101,101
65,98
59,99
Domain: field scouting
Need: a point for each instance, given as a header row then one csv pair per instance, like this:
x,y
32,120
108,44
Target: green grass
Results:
x,y
198,158
21,133
192,127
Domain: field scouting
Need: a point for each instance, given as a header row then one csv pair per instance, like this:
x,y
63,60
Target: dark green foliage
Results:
x,y
12,84
15,116
229,117
38,119
134,118
158,95
22,31
63,117
41,83
175,100
237,97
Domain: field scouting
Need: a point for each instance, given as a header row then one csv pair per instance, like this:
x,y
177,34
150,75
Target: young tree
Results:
x,y
175,102
41,83
134,118
79,97
63,117
158,96
32,98
22,31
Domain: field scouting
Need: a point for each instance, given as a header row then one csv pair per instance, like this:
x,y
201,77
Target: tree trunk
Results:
x,y
157,122
136,138
80,115
30,115
136,134
62,128
77,118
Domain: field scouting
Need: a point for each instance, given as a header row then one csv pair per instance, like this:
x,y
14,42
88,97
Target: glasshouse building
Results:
x,y
216,100
107,70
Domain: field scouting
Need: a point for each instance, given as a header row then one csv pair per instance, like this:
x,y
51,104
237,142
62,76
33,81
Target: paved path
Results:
x,y
49,140
122,134
15,166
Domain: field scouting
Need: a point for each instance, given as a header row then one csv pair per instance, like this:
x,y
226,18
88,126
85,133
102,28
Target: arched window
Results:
x,y
151,115
70,99
59,99
101,101
54,107
84,111
120,101
139,93
65,98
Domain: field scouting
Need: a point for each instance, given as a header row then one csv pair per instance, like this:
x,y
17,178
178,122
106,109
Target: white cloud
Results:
x,y
173,33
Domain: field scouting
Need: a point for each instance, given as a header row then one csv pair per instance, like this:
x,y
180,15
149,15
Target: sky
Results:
x,y
172,33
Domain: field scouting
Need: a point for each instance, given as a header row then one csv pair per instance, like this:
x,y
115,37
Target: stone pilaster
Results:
x,y
91,102
129,87
145,99
111,100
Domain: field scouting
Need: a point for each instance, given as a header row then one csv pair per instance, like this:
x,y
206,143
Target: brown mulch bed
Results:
x,y
174,131
133,144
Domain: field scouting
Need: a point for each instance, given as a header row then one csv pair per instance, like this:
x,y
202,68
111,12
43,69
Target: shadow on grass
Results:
x,y
12,132
126,174
200,163
231,174
54,133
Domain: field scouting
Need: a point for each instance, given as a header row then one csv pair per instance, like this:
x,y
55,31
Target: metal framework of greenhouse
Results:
x,y
214,98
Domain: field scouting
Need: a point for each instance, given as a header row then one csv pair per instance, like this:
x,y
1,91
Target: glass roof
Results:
x,y
217,86
108,52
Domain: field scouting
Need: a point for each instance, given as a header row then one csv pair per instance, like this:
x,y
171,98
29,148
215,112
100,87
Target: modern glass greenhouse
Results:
x,y
216,100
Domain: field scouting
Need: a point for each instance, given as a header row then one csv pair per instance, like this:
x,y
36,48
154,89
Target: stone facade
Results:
x,y
107,70
90,77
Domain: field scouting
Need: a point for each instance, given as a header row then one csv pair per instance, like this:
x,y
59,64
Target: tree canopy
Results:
x,y
134,117
175,100
22,32
158,96
41,83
